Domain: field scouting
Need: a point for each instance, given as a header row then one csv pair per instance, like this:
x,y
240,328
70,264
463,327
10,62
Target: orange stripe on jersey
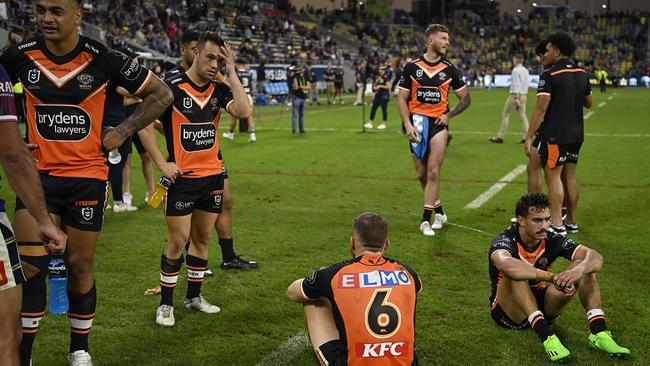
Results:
x,y
531,258
431,71
201,98
60,74
567,70
150,76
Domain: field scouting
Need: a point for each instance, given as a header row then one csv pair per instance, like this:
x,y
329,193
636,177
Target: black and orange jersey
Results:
x,y
541,256
191,123
373,300
568,86
246,78
428,85
65,99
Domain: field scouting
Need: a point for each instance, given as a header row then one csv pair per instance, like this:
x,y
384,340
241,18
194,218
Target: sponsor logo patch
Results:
x,y
384,349
56,122
377,278
429,95
198,136
131,70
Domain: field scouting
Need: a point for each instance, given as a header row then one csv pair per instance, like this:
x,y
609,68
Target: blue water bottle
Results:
x,y
58,282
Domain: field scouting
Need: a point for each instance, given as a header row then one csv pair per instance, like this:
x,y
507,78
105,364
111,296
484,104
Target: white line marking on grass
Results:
x,y
610,97
486,133
601,104
469,228
589,114
286,351
485,196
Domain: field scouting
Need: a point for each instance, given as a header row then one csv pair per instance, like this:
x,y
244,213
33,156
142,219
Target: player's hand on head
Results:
x,y
53,238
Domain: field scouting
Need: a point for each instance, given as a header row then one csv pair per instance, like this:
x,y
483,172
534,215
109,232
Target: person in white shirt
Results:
x,y
516,100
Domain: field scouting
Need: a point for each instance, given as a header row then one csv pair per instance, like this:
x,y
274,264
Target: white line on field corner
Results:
x,y
485,196
610,97
286,351
589,114
601,104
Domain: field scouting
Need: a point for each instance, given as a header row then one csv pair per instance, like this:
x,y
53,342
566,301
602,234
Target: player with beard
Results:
x,y
65,76
424,107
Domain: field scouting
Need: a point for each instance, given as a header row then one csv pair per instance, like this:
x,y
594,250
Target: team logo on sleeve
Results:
x,y
198,136
60,122
34,75
430,95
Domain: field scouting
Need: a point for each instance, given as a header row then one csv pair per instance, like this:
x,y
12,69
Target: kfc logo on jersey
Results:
x,y
384,349
187,103
34,76
61,122
429,95
377,278
198,136
87,213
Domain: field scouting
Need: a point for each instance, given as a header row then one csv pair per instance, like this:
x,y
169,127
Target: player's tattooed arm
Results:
x,y
156,97
464,101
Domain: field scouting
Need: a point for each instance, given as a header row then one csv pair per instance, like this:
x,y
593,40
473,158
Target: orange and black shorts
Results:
x,y
554,155
79,202
332,353
188,194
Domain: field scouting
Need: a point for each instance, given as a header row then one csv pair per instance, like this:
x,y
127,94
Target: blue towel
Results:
x,y
421,124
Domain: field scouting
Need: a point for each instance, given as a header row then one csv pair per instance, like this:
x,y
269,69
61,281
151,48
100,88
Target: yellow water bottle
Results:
x,y
159,193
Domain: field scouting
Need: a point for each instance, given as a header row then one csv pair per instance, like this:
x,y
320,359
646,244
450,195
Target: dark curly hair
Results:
x,y
538,201
563,42
540,49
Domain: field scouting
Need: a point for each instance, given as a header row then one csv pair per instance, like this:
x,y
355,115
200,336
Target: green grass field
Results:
x,y
295,198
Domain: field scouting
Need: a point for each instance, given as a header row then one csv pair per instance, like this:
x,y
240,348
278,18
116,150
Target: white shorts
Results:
x,y
11,272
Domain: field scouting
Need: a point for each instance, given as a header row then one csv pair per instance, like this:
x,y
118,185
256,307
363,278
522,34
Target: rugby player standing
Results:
x,y
562,92
246,79
65,76
423,91
194,199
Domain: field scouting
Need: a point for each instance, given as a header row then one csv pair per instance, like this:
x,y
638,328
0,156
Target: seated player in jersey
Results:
x,y
194,200
519,260
246,77
369,317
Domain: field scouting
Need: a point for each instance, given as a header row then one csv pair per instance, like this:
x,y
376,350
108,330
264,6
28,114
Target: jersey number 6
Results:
x,y
382,317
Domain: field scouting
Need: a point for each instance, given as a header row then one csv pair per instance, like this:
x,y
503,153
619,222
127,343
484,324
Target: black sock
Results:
x,y
540,325
227,250
187,247
438,208
81,314
195,271
169,270
426,214
597,321
33,308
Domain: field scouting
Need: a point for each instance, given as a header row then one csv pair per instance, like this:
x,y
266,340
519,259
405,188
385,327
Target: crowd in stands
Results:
x,y
615,41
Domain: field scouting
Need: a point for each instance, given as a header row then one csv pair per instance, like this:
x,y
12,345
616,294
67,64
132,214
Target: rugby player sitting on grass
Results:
x,y
519,258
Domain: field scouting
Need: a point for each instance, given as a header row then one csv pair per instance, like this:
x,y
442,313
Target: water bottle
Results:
x,y
58,282
114,157
159,193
